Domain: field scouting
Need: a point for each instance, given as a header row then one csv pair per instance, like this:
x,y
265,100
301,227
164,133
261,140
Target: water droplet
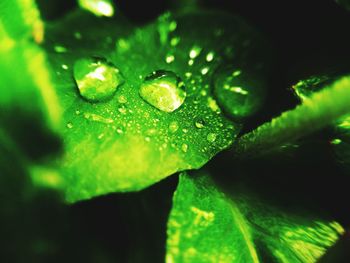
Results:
x,y
199,123
169,59
219,32
60,49
211,137
64,66
238,92
98,7
152,132
122,45
172,26
97,118
194,52
122,99
184,147
69,125
336,141
122,110
236,73
77,35
96,78
204,70
166,25
210,57
173,126
190,62
203,93
213,105
163,90
174,41
188,74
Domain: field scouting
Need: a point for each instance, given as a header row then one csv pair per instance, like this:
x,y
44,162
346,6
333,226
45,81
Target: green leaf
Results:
x,y
205,225
132,140
341,127
21,20
314,113
29,110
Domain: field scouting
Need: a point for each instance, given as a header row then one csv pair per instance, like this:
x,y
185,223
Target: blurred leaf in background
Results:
x,y
30,112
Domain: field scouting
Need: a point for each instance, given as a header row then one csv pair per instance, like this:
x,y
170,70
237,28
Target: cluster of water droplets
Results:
x,y
189,92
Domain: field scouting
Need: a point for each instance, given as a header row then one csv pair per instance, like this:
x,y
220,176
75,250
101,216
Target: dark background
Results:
x,y
308,37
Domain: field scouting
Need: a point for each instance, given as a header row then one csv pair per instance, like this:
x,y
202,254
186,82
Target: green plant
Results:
x,y
121,107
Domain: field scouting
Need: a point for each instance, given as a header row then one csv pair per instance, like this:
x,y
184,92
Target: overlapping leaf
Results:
x,y
205,225
341,127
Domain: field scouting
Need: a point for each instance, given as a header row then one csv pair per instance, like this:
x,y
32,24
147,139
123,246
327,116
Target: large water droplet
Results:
x,y
237,91
96,78
163,90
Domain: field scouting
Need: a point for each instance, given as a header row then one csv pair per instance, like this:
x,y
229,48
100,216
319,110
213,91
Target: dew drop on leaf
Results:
x,y
122,99
98,7
195,52
166,25
77,35
169,58
210,56
163,90
199,123
60,49
96,78
211,137
204,70
336,141
174,41
184,147
237,92
173,126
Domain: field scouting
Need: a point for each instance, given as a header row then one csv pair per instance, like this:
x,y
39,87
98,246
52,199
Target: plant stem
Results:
x,y
321,109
